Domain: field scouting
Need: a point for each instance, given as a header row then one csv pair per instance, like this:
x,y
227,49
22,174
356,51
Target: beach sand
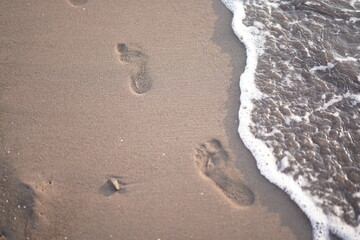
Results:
x,y
144,93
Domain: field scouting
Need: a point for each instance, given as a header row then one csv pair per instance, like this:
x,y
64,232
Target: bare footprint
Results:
x,y
78,3
140,81
18,211
214,163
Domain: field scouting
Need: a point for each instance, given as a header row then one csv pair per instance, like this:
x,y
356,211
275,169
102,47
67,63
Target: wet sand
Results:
x,y
145,94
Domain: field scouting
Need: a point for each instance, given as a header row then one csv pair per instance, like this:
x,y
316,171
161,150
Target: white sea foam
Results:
x,y
339,98
322,68
352,3
344,59
312,3
254,38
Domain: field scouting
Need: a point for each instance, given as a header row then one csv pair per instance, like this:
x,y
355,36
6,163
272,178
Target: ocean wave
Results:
x,y
300,104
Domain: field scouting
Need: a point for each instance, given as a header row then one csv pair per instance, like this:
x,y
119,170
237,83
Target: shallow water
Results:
x,y
300,104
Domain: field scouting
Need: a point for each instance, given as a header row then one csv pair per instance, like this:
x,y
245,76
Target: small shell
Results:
x,y
115,183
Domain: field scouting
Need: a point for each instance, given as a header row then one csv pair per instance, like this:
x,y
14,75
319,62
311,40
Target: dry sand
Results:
x,y
144,93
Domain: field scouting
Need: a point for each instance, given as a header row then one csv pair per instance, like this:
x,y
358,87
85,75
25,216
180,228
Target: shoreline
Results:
x,y
72,119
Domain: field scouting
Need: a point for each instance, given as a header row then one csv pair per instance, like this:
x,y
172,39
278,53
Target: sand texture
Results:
x,y
119,121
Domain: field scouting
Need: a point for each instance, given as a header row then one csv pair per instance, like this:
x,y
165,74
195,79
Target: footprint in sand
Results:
x,y
215,165
78,3
134,56
18,209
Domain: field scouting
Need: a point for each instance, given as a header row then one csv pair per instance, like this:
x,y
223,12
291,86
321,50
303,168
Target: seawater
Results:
x,y
300,104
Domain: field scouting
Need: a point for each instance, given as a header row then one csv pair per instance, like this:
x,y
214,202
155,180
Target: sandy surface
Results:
x,y
128,90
